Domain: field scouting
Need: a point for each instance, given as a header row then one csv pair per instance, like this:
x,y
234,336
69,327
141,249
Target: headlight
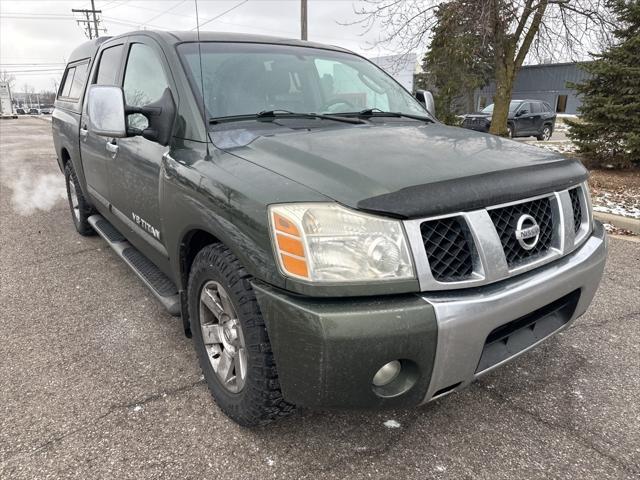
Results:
x,y
325,242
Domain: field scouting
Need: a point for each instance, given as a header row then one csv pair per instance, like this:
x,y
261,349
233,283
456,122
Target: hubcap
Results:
x,y
73,199
222,336
547,133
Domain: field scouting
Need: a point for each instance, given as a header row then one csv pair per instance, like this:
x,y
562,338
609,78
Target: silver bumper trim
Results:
x,y
465,319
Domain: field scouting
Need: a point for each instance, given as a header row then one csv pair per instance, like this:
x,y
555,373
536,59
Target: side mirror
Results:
x,y
161,116
107,115
425,97
105,108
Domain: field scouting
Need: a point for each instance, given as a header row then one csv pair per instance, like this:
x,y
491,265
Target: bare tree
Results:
x,y
8,77
515,30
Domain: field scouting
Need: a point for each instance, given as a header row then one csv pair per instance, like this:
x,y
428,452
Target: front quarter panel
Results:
x,y
227,197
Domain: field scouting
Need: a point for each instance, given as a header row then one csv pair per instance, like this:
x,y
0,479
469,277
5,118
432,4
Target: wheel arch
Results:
x,y
65,156
191,243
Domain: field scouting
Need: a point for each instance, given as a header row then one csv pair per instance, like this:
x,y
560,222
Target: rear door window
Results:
x,y
65,88
109,66
73,81
79,79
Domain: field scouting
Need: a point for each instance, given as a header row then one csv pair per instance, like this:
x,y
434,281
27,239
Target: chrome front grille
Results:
x,y
505,220
479,247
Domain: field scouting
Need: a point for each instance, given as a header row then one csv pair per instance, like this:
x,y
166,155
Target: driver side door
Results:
x,y
523,119
136,168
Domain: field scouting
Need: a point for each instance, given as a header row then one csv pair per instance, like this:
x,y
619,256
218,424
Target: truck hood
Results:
x,y
411,170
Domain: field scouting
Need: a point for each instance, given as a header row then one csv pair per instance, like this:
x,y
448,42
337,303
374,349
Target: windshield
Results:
x,y
245,78
513,105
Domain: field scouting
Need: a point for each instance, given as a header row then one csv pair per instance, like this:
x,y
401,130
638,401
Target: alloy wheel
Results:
x,y
73,197
223,337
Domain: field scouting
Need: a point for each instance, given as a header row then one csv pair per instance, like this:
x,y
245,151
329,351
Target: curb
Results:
x,y
628,223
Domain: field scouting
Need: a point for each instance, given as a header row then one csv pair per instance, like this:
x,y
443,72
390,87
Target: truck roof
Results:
x,y
175,37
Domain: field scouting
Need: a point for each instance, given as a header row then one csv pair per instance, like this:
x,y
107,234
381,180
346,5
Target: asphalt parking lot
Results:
x,y
97,381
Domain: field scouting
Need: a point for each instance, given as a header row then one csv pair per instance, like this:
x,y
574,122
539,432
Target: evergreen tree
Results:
x,y
609,130
459,60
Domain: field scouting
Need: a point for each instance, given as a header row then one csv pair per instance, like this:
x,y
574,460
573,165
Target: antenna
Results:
x,y
204,105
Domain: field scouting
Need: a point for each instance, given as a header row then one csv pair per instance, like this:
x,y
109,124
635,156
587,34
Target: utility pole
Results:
x,y
91,32
95,20
303,19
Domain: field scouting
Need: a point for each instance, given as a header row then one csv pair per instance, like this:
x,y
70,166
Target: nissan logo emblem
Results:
x,y
527,232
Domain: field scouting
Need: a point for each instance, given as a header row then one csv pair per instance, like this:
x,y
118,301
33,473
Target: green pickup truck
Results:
x,y
325,240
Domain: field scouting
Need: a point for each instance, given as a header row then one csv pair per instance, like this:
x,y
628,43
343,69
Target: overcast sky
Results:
x,y
36,37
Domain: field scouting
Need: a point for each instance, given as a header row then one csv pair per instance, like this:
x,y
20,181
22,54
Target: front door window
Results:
x,y
144,81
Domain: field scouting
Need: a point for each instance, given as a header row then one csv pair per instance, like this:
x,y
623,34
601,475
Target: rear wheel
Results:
x,y
545,134
81,210
231,340
509,131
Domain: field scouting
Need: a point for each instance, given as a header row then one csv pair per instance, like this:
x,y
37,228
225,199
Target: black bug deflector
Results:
x,y
477,191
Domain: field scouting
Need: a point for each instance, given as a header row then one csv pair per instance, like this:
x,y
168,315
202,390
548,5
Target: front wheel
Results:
x,y
545,135
231,341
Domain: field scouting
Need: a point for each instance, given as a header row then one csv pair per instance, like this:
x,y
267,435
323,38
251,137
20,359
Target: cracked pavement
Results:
x,y
97,381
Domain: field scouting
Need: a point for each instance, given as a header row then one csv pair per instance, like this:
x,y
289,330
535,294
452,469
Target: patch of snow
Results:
x,y
270,462
138,408
392,424
440,468
616,209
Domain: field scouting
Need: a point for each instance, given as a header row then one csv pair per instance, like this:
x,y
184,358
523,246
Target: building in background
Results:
x,y
6,103
546,82
401,67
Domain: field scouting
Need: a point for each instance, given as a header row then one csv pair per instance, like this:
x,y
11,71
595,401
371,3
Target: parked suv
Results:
x,y
527,118
325,240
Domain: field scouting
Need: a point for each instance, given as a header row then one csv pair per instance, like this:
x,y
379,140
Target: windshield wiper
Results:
x,y
273,114
376,112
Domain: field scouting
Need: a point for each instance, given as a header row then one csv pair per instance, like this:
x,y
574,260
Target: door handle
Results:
x,y
112,147
84,132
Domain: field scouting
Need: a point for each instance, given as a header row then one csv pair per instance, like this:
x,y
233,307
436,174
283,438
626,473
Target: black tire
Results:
x,y
545,134
260,401
83,210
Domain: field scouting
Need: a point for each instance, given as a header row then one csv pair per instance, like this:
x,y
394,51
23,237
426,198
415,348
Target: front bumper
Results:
x,y
328,350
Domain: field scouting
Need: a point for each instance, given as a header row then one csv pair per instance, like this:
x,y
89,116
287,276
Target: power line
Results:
x,y
11,65
223,13
164,12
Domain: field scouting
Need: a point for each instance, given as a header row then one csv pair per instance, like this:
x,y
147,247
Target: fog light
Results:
x,y
386,374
